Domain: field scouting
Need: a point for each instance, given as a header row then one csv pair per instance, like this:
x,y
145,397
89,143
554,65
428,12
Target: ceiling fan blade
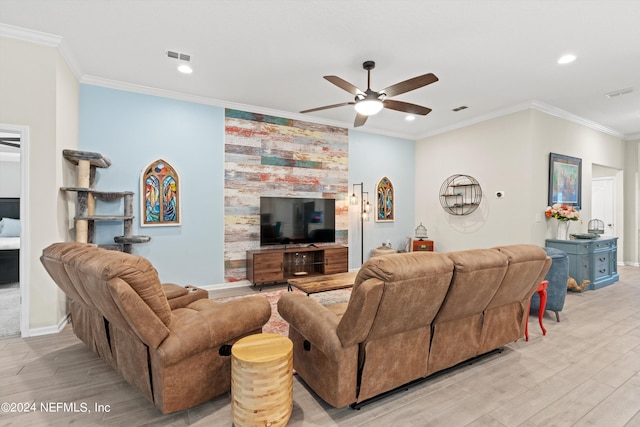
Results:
x,y
360,120
405,107
343,84
326,107
410,84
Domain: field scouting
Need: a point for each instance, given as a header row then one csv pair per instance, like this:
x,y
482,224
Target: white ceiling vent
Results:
x,y
177,55
618,92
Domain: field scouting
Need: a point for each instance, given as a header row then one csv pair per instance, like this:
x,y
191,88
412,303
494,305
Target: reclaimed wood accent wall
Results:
x,y
274,156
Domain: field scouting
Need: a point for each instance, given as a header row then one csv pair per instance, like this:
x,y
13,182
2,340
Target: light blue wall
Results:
x,y
133,130
371,157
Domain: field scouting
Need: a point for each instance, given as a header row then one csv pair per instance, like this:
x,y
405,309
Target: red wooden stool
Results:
x,y
542,292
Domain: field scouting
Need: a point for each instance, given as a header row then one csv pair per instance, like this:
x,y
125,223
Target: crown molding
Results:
x,y
70,59
479,119
563,114
632,137
44,39
148,90
27,35
535,105
180,96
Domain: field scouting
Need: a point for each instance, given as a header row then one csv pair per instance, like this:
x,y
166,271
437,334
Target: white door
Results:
x,y
603,203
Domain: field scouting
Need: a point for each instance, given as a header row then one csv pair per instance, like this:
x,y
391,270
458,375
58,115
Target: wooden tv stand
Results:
x,y
279,265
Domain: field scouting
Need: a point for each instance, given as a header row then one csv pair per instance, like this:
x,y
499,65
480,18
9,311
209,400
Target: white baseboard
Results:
x,y
47,330
226,285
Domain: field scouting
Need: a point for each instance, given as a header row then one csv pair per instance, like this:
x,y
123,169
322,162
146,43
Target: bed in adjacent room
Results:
x,y
9,240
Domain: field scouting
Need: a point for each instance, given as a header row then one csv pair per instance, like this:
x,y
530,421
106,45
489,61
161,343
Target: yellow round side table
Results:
x,y
262,380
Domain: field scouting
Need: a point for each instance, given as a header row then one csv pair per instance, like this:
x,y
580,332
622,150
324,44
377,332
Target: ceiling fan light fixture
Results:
x,y
368,107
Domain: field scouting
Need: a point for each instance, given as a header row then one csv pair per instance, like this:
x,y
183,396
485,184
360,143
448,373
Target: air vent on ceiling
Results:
x,y
177,55
460,108
618,92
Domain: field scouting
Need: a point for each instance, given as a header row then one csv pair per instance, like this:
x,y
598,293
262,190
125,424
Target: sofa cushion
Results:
x,y
458,326
525,261
138,272
504,318
476,278
414,286
52,261
357,318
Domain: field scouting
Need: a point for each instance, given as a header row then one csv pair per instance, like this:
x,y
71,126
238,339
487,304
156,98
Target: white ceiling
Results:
x,y
270,56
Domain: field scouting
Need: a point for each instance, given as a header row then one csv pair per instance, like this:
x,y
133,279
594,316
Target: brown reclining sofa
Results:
x,y
174,350
411,315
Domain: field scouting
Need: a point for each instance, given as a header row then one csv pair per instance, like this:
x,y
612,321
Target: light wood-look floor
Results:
x,y
585,372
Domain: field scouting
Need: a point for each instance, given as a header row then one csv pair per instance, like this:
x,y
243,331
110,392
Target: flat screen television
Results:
x,y
293,220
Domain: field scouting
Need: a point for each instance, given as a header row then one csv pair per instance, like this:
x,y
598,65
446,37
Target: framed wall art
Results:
x,y
385,201
565,180
160,194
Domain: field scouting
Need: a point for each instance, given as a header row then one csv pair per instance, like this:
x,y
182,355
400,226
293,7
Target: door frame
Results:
x,y
25,253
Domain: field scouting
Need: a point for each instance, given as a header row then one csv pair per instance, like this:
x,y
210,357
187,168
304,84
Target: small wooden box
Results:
x,y
421,245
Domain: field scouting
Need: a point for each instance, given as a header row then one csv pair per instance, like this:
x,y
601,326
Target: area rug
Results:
x,y
276,324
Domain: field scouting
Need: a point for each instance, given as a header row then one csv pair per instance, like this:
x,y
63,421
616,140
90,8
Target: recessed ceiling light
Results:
x,y
185,68
566,59
410,118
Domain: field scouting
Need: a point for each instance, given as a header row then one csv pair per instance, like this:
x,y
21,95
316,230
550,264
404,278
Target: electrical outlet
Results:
x,y
499,194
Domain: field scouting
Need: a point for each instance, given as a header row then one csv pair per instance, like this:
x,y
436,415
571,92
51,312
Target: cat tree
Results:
x,y
86,218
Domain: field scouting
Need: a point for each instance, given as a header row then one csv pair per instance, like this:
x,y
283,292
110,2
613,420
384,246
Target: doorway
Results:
x,y
17,152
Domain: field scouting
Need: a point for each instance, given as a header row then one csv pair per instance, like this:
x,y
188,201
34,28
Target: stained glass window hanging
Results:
x,y
385,201
160,202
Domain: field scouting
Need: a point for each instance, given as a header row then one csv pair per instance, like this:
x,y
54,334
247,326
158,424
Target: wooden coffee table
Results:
x,y
325,283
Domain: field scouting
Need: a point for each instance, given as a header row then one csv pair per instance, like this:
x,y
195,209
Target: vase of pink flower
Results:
x,y
563,214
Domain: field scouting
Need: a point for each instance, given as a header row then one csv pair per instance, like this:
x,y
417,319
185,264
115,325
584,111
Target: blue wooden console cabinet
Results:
x,y
595,260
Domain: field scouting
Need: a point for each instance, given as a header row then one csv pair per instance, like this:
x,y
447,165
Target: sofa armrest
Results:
x,y
181,296
314,321
206,324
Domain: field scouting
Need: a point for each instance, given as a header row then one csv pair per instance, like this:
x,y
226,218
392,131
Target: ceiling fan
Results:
x,y
369,102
